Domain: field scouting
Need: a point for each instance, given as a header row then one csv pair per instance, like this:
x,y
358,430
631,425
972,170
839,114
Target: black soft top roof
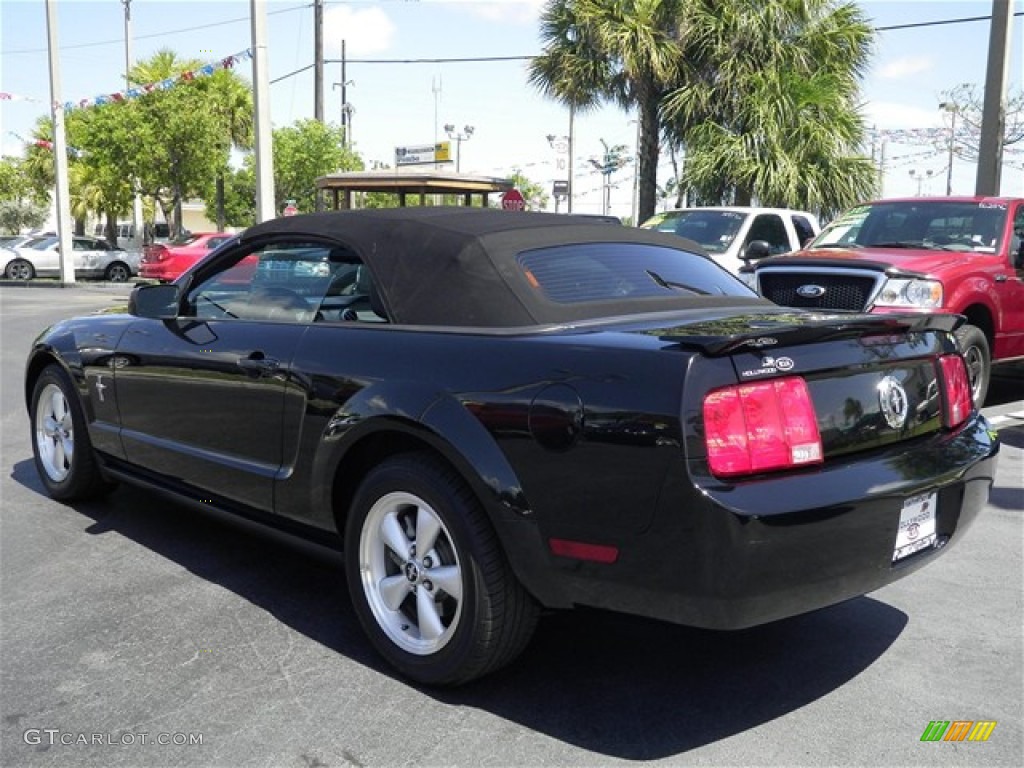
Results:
x,y
457,266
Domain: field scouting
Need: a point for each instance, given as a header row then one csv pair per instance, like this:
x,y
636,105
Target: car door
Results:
x,y
202,396
1009,285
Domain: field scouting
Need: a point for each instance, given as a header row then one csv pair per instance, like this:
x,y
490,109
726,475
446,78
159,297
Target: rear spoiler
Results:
x,y
760,331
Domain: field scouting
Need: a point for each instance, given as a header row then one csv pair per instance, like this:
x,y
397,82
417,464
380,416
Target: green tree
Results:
x,y
767,105
302,153
230,99
101,176
180,143
627,52
18,215
239,197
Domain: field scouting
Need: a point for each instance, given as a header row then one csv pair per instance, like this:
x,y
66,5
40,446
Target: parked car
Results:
x,y
14,241
95,258
922,254
494,412
167,261
733,235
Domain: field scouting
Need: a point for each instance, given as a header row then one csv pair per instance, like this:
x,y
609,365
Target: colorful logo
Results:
x,y
958,730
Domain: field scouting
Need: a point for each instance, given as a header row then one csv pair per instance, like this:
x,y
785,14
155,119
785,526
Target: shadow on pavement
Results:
x,y
614,685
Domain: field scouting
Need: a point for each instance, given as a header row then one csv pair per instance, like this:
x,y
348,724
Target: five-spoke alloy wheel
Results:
x,y
427,575
60,441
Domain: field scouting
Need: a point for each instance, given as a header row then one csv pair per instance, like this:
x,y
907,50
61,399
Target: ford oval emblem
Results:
x,y
810,291
893,400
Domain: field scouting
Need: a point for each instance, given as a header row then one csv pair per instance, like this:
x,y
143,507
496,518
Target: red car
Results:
x,y
165,262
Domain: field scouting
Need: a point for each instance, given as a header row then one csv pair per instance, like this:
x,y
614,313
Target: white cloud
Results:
x,y
890,114
364,30
504,11
897,69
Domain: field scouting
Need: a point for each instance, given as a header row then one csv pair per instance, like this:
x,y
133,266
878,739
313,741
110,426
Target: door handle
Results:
x,y
257,362
1001,278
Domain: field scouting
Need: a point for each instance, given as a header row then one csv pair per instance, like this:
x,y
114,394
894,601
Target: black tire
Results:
x,y
117,272
19,269
58,429
974,347
478,631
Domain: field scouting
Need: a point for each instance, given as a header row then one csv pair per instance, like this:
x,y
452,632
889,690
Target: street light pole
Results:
x,y
948,106
458,138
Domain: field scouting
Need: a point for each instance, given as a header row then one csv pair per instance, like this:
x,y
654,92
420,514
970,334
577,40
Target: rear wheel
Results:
x,y
19,269
974,347
63,453
118,272
428,578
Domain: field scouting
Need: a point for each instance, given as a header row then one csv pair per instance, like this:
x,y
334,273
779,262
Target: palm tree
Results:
x,y
767,106
179,137
624,51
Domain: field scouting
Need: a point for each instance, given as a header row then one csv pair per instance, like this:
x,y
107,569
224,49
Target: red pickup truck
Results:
x,y
948,254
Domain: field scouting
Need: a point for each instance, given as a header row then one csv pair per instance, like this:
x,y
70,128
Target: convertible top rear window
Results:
x,y
588,272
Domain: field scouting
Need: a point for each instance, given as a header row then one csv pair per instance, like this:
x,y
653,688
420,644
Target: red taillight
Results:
x,y
959,402
760,427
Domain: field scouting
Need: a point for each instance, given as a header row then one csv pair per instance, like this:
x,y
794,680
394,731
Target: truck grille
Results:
x,y
841,291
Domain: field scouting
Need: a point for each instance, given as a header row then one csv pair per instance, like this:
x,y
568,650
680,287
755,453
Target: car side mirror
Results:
x,y
756,249
157,302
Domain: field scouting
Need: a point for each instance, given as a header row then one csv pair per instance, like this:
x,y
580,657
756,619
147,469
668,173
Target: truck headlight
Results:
x,y
910,292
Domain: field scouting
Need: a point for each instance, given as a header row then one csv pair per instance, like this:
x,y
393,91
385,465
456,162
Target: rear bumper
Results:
x,y
734,556
157,271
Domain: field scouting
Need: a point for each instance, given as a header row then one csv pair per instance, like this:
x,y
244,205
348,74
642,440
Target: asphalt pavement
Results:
x,y
137,632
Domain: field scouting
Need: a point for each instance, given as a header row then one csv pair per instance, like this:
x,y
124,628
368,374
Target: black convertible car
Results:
x,y
496,412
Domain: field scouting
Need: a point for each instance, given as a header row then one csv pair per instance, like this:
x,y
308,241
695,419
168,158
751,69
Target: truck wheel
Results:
x,y
428,578
974,347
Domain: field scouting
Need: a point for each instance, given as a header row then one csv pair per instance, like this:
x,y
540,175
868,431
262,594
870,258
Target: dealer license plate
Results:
x,y
917,526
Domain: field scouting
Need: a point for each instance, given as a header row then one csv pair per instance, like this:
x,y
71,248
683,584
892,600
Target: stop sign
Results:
x,y
513,200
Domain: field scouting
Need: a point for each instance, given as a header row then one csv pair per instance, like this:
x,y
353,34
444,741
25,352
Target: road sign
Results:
x,y
513,200
560,189
424,154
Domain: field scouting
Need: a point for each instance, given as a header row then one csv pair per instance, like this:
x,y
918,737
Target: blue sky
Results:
x,y
408,104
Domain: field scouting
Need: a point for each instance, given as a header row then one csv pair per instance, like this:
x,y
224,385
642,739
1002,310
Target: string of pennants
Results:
x,y
45,144
141,90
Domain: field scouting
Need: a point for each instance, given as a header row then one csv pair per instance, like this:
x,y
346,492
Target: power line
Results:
x,y
940,22
120,40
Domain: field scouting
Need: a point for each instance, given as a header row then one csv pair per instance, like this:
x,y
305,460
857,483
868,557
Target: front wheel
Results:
x,y
60,442
19,269
427,575
974,347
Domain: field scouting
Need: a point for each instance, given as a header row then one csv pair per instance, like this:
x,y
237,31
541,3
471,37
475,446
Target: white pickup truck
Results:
x,y
728,232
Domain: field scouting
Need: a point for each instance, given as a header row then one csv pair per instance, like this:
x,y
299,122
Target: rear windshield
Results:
x,y
590,272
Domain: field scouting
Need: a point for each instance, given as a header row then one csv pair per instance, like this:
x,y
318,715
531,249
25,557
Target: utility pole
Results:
x,y
265,207
993,118
318,61
138,225
60,150
572,142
